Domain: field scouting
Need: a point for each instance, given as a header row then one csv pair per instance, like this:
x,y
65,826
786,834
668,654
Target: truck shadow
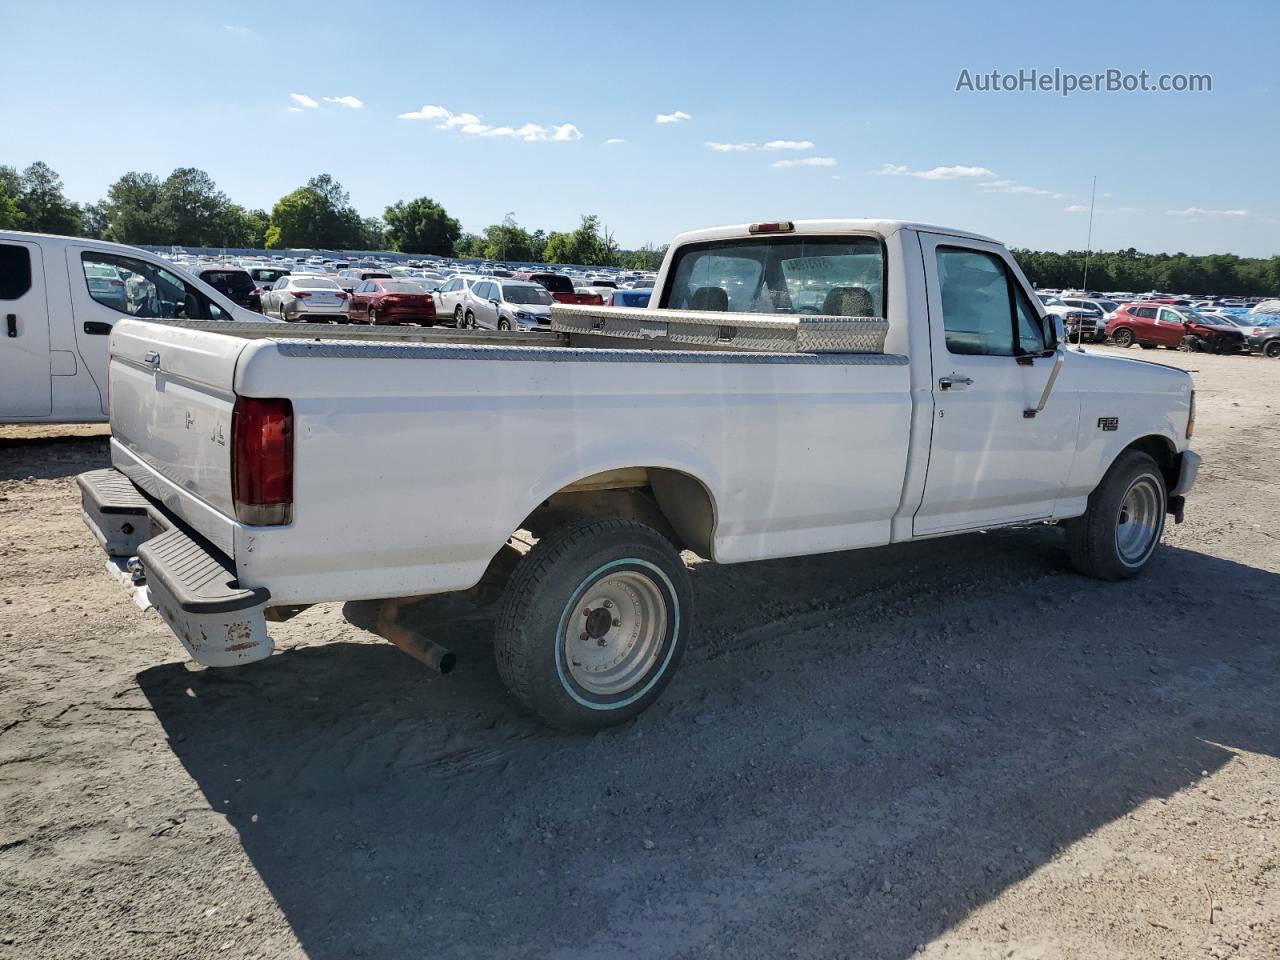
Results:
x,y
52,457
858,752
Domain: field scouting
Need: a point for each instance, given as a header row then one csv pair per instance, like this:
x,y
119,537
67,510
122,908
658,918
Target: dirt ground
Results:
x,y
957,749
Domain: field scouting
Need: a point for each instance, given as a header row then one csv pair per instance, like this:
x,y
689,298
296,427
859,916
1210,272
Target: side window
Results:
x,y
976,310
141,289
1168,316
15,271
1146,313
1032,335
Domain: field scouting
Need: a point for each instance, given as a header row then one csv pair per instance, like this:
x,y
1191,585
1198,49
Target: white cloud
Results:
x,y
1076,208
771,146
935,173
355,103
806,162
295,109
1012,186
613,140
890,170
672,117
472,125
1202,212
302,100
239,30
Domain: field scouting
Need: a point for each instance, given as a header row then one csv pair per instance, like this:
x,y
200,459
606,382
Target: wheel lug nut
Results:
x,y
607,604
584,636
586,612
617,622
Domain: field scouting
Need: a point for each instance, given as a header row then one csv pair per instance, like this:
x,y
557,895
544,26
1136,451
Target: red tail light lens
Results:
x,y
262,461
343,296
301,293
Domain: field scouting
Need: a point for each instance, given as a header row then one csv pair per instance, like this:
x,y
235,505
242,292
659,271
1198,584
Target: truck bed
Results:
x,y
418,452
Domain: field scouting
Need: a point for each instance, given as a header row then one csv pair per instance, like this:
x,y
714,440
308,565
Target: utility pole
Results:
x,y
1088,249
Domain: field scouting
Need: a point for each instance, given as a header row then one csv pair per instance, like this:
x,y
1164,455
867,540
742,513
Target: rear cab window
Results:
x,y
831,276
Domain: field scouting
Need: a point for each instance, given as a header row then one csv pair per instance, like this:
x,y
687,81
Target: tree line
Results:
x,y
187,209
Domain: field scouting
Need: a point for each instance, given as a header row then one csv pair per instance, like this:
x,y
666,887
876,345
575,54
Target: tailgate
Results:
x,y
172,395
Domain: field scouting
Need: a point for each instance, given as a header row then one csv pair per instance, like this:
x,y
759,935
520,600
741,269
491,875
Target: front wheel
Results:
x,y
504,324
469,320
593,623
1272,350
373,316
1119,532
1123,337
457,318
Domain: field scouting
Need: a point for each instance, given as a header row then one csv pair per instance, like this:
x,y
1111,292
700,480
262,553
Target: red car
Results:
x,y
561,289
1152,325
383,302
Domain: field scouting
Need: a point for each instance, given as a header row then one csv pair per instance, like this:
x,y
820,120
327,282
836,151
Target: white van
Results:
x,y
59,299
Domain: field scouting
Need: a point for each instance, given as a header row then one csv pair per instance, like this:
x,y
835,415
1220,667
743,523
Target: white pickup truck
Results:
x,y
257,470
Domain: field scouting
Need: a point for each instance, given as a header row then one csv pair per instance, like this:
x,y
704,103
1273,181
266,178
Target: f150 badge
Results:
x,y
1108,424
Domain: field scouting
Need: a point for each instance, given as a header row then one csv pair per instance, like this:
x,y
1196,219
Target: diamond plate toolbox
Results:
x,y
772,333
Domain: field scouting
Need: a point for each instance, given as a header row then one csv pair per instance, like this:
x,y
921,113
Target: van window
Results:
x,y
141,289
15,271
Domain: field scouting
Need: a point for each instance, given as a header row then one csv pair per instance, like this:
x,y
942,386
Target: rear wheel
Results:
x,y
373,316
1119,532
1272,350
593,623
469,320
1123,337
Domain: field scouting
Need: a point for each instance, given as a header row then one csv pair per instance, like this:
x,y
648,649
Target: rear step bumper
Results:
x,y
191,584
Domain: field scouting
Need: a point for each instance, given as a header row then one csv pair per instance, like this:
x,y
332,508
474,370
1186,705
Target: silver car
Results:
x,y
500,304
304,297
453,298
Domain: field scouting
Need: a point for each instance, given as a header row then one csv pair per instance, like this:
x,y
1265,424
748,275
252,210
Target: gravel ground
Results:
x,y
955,748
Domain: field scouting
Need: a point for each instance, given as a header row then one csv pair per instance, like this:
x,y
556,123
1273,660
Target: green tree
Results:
x,y
94,220
421,226
508,241
469,246
11,216
43,204
588,245
373,234
318,215
195,212
132,210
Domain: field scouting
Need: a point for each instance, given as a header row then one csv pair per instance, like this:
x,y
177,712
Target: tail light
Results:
x,y
262,461
343,295
301,293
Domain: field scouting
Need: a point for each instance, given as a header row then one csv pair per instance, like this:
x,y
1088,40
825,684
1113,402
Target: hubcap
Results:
x,y
615,632
1138,525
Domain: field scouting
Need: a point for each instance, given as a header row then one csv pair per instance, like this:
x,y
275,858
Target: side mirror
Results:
x,y
1059,330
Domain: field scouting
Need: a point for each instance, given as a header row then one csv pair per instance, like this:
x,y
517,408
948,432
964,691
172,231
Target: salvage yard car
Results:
x,y
60,298
1152,325
793,388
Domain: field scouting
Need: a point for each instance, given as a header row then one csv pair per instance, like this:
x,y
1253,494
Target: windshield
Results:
x,y
267,275
834,276
525,294
554,283
1110,306
232,282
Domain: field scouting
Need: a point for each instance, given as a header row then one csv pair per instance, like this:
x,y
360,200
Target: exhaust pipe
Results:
x,y
438,658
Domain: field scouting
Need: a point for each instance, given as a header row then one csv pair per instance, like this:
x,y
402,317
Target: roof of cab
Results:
x,y
884,228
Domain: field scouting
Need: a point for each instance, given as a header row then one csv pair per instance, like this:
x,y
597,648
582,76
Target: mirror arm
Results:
x,y
1061,358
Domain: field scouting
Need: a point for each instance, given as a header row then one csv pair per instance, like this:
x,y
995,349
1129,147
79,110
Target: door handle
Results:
x,y
954,382
11,324
97,328
151,359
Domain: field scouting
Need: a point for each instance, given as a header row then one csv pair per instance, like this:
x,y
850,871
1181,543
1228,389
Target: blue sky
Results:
x,y
863,93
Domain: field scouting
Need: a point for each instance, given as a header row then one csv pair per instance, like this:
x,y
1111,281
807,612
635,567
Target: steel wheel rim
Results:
x,y
1138,523
615,633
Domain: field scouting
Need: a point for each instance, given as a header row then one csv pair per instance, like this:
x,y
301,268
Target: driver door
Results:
x,y
989,462
1169,328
